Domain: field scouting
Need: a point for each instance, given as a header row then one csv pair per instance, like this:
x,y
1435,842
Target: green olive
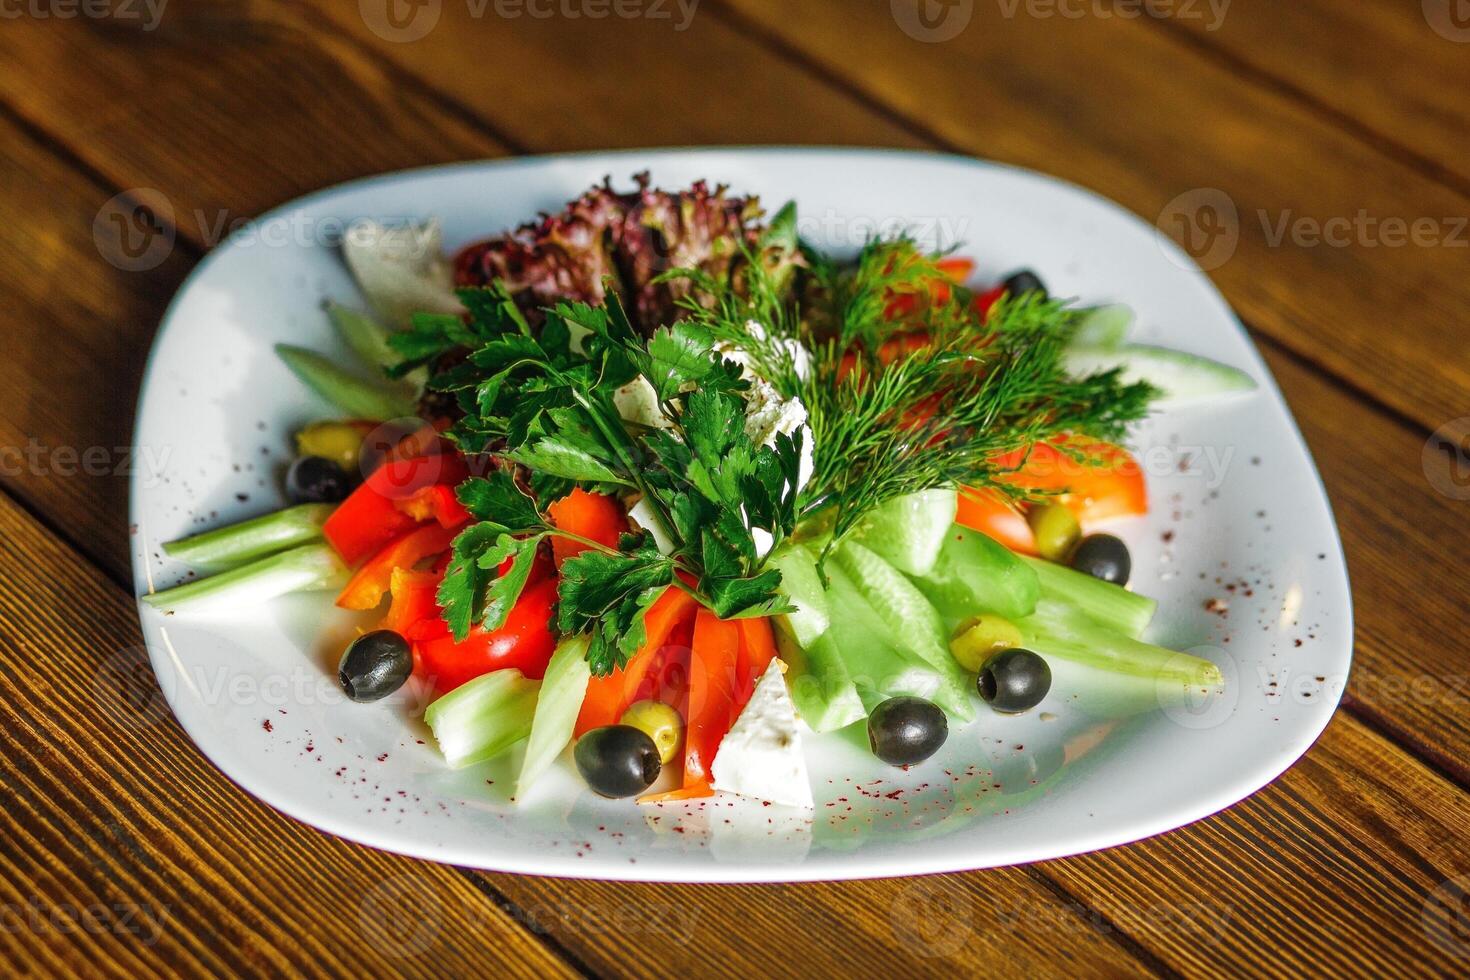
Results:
x,y
981,637
660,723
1056,530
336,441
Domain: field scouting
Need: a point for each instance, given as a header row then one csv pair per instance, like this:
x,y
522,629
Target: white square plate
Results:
x,y
1240,549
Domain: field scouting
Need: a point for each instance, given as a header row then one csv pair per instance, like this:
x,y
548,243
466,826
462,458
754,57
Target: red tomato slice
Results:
x,y
525,642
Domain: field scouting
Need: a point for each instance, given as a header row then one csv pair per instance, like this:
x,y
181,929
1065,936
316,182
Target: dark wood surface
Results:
x,y
226,108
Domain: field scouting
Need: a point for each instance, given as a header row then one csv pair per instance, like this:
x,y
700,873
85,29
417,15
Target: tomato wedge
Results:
x,y
525,642
712,670
992,513
1106,483
757,650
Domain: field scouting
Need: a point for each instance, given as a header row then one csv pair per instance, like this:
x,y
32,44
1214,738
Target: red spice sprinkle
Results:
x,y
267,725
383,757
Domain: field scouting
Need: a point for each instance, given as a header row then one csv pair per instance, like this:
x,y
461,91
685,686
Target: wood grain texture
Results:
x,y
1333,870
1155,126
124,851
1397,836
1392,73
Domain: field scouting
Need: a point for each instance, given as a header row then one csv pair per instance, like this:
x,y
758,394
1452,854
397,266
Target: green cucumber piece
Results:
x,y
303,569
1182,379
820,686
1109,605
912,621
1103,327
1060,630
481,719
976,574
349,393
874,659
367,338
260,536
907,532
562,691
802,585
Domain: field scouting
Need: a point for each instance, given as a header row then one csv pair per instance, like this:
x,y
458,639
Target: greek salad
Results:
x,y
654,483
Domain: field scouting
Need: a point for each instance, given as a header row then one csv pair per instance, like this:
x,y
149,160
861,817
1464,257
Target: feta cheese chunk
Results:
x,y
761,755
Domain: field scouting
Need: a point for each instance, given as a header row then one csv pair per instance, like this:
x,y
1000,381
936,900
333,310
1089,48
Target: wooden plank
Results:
x,y
1350,60
124,852
1342,867
1155,126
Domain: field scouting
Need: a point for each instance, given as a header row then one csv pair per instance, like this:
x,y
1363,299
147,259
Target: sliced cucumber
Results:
x,y
1104,327
913,623
800,583
481,719
1110,605
557,705
976,574
1184,379
820,685
907,532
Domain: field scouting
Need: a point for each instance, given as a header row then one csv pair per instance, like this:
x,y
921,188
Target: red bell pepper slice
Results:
x,y
610,695
1105,483
415,599
594,516
370,582
436,503
525,642
712,667
369,518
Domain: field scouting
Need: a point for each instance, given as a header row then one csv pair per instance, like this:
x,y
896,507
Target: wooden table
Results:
x,y
124,852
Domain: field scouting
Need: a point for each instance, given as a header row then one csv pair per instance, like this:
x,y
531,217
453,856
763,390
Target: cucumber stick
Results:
x,y
481,719
1104,327
802,585
255,538
349,393
975,574
302,569
557,705
1060,630
1109,605
907,532
913,623
1183,379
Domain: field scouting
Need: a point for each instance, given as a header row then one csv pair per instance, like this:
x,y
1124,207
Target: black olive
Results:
x,y
1104,556
904,731
618,760
375,665
315,480
1025,281
1013,681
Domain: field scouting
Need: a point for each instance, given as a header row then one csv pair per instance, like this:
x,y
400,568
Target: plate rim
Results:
x,y
874,866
